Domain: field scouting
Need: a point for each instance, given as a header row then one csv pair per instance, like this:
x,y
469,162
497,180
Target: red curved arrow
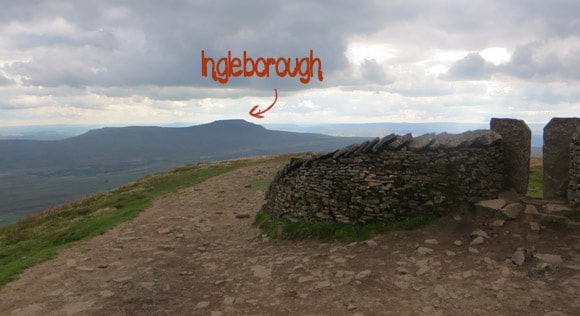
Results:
x,y
259,113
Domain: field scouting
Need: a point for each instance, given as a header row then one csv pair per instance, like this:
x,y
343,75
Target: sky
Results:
x,y
139,62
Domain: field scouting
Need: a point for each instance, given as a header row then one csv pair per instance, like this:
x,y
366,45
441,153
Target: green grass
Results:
x,y
536,182
38,238
280,229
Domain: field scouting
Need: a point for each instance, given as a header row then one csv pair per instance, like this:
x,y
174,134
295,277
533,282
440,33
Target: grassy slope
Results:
x,y
38,238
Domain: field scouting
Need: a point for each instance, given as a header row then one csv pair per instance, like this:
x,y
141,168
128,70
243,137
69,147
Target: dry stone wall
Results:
x,y
574,173
517,138
392,178
557,138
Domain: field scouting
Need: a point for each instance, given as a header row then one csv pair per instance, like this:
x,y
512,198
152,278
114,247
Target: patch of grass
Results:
x,y
536,182
280,229
38,238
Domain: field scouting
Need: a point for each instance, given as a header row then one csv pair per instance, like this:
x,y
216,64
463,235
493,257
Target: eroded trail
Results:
x,y
196,253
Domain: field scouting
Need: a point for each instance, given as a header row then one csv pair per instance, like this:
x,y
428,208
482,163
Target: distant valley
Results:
x,y
35,175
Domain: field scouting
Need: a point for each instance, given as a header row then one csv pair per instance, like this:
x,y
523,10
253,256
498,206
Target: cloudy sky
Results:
x,y
139,62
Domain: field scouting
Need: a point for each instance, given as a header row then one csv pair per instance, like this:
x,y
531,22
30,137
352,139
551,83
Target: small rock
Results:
x,y
350,307
431,241
458,243
106,293
555,313
261,271
518,257
103,266
423,270
549,258
202,304
321,285
71,263
164,230
247,186
241,216
363,274
123,279
535,226
147,285
305,279
481,233
86,269
424,251
450,253
498,223
473,250
402,284
477,241
228,300
371,243
512,210
401,270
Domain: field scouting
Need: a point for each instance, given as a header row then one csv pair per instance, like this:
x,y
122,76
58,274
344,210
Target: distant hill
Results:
x,y
120,145
35,175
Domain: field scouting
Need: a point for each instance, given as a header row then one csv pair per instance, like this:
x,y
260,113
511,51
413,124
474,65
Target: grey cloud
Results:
x,y
5,81
471,67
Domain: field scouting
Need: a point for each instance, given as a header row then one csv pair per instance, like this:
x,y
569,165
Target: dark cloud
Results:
x,y
472,67
148,42
5,81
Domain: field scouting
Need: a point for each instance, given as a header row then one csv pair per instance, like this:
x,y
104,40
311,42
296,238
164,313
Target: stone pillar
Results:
x,y
574,173
517,139
557,138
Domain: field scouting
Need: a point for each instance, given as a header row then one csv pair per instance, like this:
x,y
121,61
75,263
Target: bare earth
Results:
x,y
196,253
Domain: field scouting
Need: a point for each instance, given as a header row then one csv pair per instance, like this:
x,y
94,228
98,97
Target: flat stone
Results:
x,y
363,274
202,304
85,269
261,271
549,258
450,253
431,241
473,250
229,300
106,293
490,206
423,270
424,251
147,285
458,243
498,223
556,313
512,210
123,279
479,232
558,209
322,284
304,279
77,307
518,257
401,270
535,226
477,241
164,230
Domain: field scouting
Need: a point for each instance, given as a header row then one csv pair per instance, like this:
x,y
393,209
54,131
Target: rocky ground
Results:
x,y
196,253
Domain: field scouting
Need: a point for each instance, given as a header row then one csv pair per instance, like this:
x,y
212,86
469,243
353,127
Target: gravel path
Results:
x,y
196,253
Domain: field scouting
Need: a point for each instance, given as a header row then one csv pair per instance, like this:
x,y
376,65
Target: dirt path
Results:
x,y
195,253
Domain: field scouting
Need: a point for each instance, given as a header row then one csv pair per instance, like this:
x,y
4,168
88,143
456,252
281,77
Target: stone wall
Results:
x,y
392,178
517,138
557,138
574,173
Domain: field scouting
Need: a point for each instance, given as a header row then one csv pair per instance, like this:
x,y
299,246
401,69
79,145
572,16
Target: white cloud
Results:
x,y
132,63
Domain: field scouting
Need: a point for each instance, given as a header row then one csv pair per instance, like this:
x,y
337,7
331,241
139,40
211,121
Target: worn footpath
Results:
x,y
195,252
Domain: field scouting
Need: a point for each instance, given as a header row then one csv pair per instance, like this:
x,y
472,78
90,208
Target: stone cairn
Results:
x,y
389,179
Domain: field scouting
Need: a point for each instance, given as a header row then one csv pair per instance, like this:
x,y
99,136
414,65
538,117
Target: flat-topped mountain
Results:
x,y
110,146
